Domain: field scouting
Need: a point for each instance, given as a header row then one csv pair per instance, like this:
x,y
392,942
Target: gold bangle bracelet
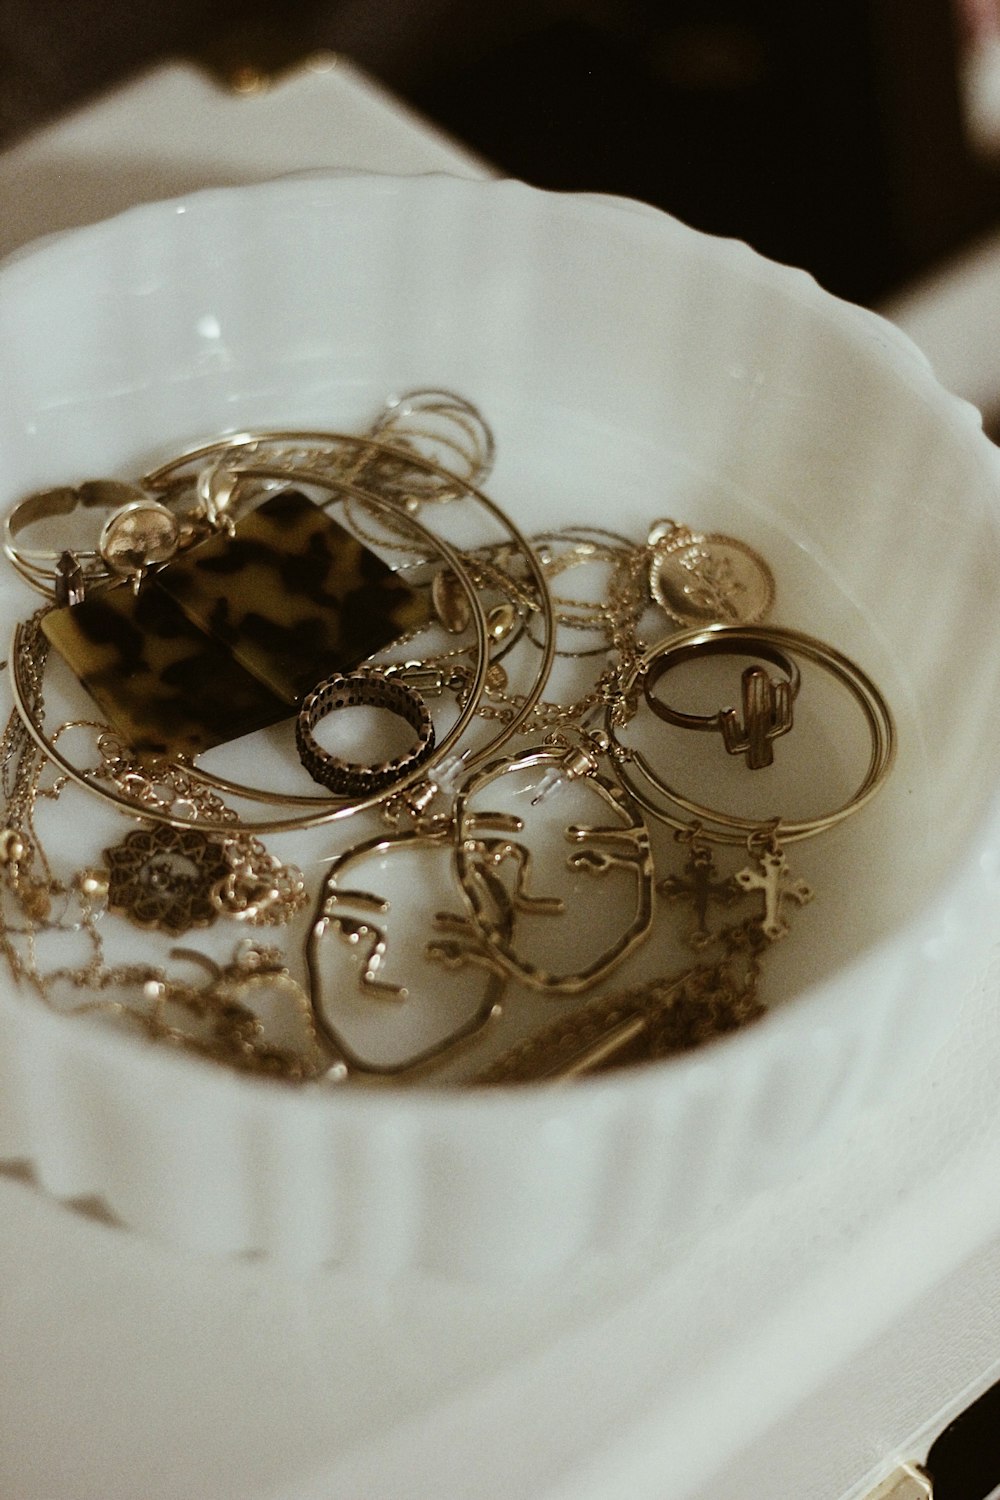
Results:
x,y
263,465
139,531
319,810
670,806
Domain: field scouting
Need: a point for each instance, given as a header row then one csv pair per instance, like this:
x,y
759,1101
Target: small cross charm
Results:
x,y
772,878
698,886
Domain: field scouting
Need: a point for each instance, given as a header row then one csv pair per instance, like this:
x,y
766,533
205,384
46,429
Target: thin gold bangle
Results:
x,y
160,478
723,827
326,809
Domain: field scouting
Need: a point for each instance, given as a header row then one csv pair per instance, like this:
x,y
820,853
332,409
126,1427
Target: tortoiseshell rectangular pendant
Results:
x,y
293,595
163,684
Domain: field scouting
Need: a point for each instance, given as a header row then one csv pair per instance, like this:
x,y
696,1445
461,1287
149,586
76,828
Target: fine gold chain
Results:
x,y
188,859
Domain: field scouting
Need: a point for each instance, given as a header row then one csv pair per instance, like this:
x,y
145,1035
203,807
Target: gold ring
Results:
x,y
371,689
665,802
767,705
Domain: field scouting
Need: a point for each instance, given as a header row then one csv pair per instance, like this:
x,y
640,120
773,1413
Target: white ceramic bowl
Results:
x,y
631,368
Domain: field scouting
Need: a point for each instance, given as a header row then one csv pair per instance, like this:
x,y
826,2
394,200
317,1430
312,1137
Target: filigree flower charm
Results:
x,y
165,877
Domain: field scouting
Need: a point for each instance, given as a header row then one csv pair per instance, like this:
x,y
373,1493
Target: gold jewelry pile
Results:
x,y
531,730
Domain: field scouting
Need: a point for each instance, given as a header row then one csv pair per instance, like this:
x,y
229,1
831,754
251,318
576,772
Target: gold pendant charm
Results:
x,y
165,877
138,536
704,579
698,886
773,880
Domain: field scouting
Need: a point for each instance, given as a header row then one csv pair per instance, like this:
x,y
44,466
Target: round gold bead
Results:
x,y
93,884
501,621
139,535
12,848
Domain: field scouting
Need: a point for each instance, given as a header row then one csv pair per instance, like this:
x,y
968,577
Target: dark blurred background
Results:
x,y
829,135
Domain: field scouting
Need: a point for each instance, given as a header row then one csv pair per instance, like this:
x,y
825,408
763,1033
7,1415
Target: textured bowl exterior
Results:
x,y
584,325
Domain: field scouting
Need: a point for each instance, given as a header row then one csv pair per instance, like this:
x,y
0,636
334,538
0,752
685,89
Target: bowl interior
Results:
x,y
630,369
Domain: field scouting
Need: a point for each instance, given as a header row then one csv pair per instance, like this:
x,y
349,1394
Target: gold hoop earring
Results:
x,y
336,916
485,849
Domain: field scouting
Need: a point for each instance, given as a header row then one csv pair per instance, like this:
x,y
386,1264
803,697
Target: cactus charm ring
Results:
x,y
780,647
766,703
